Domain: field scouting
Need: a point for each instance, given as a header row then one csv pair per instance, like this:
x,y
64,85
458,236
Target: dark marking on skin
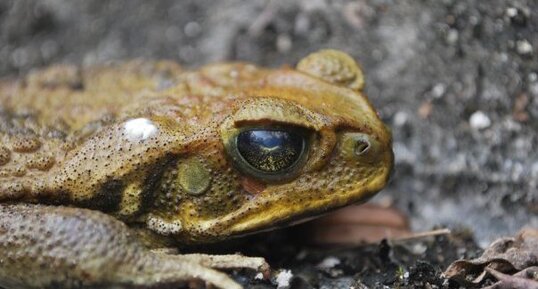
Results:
x,y
5,155
152,180
107,199
56,198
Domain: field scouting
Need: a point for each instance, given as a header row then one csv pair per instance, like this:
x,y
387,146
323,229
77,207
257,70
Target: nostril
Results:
x,y
361,147
356,146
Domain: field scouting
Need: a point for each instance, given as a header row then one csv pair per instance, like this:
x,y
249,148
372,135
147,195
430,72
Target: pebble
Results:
x,y
479,120
511,12
438,90
284,43
400,118
517,16
328,263
452,36
283,279
524,47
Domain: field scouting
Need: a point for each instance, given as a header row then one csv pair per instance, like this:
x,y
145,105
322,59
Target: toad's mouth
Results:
x,y
279,216
271,213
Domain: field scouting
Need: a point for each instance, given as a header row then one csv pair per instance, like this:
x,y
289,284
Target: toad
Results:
x,y
102,167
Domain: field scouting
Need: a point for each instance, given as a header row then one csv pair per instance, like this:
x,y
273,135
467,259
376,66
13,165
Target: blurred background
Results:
x,y
456,80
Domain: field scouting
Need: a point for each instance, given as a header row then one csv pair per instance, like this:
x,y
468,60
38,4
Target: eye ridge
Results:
x,y
270,150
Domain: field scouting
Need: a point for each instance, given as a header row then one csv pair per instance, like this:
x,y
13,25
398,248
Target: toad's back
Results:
x,y
47,115
71,97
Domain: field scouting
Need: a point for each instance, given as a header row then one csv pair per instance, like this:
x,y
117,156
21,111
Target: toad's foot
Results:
x,y
227,262
59,247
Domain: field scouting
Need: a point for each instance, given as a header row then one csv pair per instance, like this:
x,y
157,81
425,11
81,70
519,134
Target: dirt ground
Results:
x,y
409,264
456,80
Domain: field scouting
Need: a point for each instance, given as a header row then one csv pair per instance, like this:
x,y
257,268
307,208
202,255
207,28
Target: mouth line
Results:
x,y
240,223
279,225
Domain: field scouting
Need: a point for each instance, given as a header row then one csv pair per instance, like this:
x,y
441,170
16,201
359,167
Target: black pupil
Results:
x,y
270,151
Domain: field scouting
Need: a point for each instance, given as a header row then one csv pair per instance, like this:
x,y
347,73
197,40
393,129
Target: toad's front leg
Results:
x,y
59,247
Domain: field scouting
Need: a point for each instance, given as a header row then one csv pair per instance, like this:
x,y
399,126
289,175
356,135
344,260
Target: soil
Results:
x,y
412,263
456,80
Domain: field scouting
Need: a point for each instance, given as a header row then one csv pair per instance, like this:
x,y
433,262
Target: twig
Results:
x,y
421,235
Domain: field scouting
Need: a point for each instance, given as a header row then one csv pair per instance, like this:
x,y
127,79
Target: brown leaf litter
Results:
x,y
512,261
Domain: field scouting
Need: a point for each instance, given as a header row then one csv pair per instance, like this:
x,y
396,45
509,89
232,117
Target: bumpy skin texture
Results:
x,y
100,164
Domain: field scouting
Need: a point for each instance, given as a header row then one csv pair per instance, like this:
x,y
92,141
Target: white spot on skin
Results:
x,y
139,129
283,279
479,120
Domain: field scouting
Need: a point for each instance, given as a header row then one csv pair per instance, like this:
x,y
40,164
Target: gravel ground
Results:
x,y
456,80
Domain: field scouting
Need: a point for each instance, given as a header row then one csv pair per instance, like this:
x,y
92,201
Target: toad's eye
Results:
x,y
272,153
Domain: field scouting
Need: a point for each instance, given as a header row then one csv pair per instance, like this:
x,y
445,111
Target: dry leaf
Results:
x,y
505,255
368,223
520,280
